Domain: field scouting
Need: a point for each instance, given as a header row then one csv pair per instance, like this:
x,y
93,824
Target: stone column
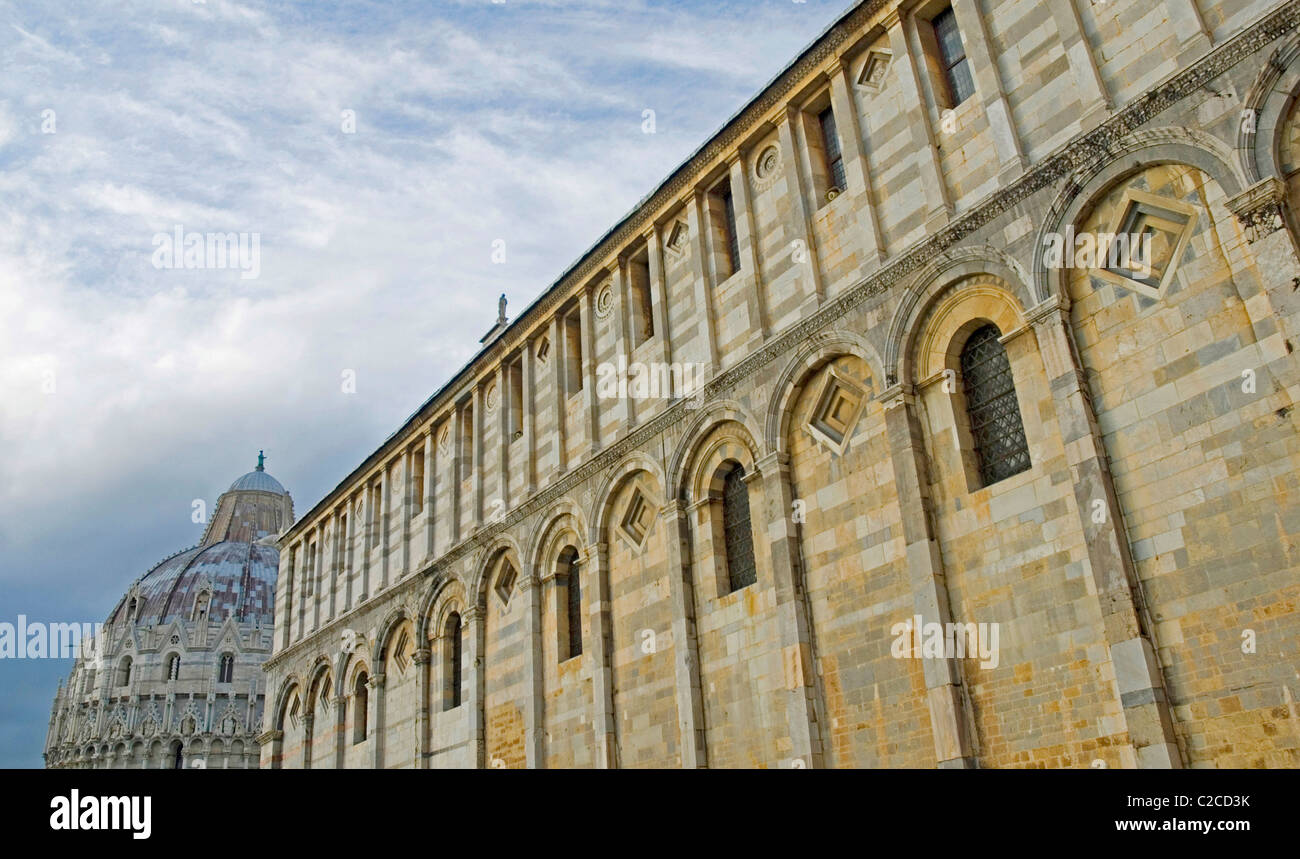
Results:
x,y
938,208
429,489
458,459
385,510
559,361
503,440
529,423
624,342
945,695
476,444
857,170
376,724
1194,38
408,464
1264,215
603,726
369,510
422,662
340,729
769,486
700,279
1140,685
271,744
747,241
349,552
308,725
474,618
659,293
1089,85
534,728
797,199
686,652
988,89
587,317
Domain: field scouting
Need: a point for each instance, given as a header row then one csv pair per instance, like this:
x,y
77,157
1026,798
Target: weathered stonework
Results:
x,y
1151,534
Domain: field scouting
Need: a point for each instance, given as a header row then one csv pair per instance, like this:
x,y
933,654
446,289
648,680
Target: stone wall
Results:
x,y
1139,572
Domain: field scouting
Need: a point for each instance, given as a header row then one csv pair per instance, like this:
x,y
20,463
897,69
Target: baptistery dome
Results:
x,y
174,677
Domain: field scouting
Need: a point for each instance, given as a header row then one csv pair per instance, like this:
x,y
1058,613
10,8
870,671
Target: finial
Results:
x,y
261,459
501,310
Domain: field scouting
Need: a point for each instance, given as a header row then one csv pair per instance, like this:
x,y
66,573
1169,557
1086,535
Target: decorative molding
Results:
x,y
767,167
1260,208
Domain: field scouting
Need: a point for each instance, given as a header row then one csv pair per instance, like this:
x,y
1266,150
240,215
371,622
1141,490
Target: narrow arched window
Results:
x,y
737,535
360,708
178,761
997,432
227,670
124,674
174,667
572,581
451,663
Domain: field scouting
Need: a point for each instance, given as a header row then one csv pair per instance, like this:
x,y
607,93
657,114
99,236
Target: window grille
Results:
x,y
738,536
574,586
831,142
952,55
995,425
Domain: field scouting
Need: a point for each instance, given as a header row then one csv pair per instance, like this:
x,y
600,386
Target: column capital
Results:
x,y
422,655
897,394
1055,309
376,681
1260,208
777,460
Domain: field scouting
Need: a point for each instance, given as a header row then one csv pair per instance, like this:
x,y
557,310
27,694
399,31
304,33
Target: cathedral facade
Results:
x,y
174,678
938,411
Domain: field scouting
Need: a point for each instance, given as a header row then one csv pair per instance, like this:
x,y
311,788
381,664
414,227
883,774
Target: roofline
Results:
x,y
695,161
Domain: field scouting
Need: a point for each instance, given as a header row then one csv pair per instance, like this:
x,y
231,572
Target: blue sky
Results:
x,y
129,390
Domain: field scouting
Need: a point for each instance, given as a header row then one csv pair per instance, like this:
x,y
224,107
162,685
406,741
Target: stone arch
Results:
x,y
1272,97
1086,187
819,349
563,515
504,544
288,687
634,463
429,602
954,267
685,457
391,624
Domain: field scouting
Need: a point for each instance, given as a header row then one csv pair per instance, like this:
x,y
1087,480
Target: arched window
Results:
x,y
124,672
571,580
130,611
737,535
174,667
997,432
201,603
226,671
360,707
451,663
178,759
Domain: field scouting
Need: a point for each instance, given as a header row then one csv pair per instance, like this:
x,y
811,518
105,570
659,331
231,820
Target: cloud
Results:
x,y
129,390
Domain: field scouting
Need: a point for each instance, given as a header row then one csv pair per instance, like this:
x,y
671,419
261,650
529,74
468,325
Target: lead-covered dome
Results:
x,y
213,581
259,481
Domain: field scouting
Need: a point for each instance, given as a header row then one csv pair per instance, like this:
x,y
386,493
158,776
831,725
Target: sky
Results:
x,y
377,152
